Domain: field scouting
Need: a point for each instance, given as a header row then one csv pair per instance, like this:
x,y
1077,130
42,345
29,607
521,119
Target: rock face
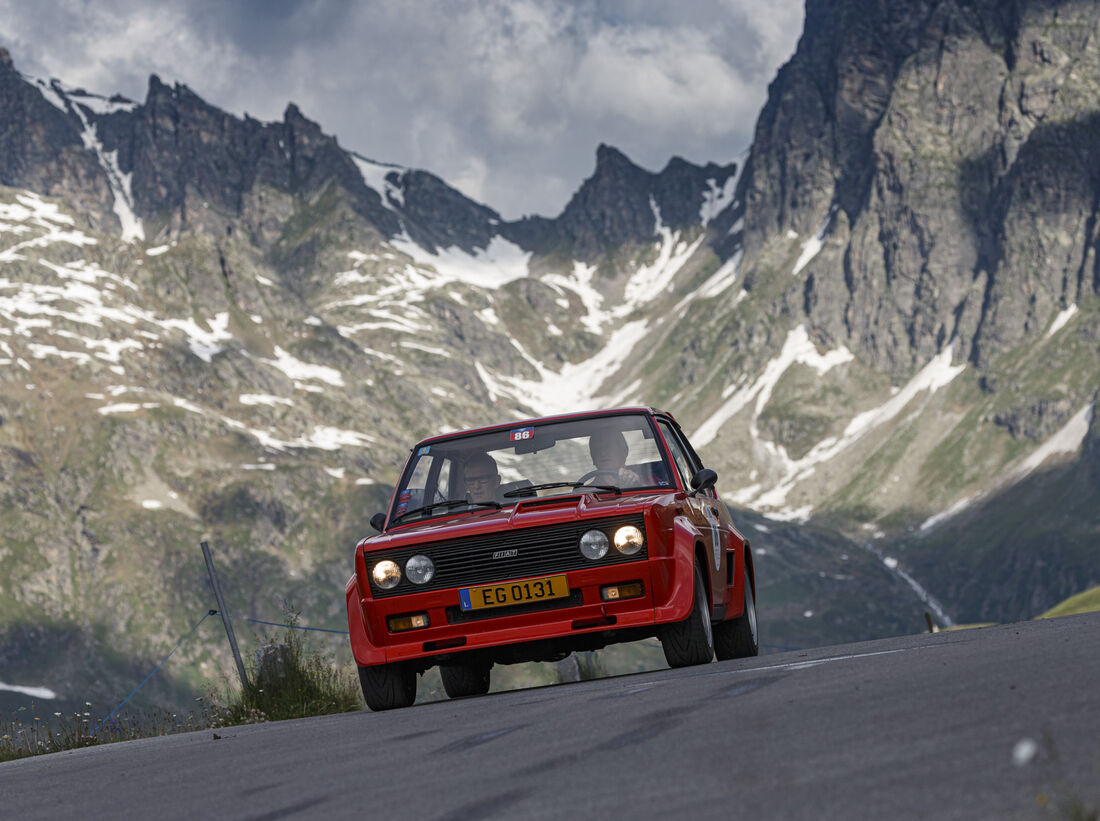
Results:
x,y
41,148
944,148
621,205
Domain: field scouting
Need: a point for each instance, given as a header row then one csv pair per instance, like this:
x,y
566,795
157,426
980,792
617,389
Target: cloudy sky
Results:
x,y
505,99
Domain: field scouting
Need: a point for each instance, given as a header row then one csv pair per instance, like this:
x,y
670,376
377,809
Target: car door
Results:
x,y
703,509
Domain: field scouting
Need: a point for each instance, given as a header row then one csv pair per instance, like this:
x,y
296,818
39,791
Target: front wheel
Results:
x,y
739,637
690,641
388,686
465,679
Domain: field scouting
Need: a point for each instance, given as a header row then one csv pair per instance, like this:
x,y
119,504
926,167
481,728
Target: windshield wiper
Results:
x,y
520,491
448,504
610,488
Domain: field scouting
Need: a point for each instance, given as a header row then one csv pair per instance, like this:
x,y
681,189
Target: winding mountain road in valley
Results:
x,y
976,724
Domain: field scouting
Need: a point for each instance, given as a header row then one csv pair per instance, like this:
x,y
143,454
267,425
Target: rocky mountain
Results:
x,y
880,325
921,205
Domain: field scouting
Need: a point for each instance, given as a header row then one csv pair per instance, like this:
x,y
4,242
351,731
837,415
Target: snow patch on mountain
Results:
x,y
205,344
581,283
119,182
297,369
812,247
938,373
576,386
1061,320
797,348
723,278
649,282
958,507
494,266
375,174
263,399
1067,440
30,212
715,199
34,692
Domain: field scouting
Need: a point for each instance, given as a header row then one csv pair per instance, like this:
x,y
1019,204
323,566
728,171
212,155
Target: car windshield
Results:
x,y
611,453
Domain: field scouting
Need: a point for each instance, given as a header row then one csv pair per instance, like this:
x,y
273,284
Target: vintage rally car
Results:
x,y
530,540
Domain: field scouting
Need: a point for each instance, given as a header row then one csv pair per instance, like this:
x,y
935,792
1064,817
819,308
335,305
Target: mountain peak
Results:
x,y
294,117
5,58
611,159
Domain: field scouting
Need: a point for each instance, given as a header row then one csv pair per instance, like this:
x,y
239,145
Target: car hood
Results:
x,y
548,510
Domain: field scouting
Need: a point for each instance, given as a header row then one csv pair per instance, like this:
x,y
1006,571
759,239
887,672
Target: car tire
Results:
x,y
465,679
691,641
739,638
388,686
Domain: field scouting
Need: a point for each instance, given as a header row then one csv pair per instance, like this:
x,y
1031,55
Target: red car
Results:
x,y
529,540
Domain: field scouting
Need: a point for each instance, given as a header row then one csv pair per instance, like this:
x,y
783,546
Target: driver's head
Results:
x,y
481,478
608,450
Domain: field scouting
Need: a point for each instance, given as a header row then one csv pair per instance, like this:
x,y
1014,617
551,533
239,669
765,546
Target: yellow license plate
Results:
x,y
500,595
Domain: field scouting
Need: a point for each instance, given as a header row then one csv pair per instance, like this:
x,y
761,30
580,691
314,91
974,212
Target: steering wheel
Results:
x,y
601,477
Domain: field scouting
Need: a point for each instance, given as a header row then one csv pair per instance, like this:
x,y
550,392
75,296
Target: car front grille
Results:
x,y
542,550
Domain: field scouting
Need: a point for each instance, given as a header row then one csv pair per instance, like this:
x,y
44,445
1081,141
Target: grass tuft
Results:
x,y
302,683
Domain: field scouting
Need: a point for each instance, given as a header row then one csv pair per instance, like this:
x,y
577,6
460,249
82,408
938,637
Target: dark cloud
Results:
x,y
505,100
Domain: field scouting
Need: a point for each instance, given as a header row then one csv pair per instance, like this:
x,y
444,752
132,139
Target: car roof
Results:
x,y
542,420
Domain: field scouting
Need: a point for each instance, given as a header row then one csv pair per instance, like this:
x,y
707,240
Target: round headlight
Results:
x,y
594,544
628,540
419,569
386,574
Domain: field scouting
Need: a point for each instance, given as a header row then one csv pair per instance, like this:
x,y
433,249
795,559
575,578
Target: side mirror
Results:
x,y
378,520
704,479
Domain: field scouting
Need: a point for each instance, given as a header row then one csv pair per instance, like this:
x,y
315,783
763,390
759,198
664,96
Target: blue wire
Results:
x,y
297,626
174,649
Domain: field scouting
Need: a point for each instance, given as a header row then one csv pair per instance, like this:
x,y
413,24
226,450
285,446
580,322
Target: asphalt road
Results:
x,y
924,727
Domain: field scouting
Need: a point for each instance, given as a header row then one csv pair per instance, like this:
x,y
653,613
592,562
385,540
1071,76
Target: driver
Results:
x,y
608,453
481,478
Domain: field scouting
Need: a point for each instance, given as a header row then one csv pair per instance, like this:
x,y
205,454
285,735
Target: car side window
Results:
x,y
683,465
429,481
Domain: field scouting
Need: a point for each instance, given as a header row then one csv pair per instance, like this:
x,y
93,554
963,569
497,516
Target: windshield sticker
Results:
x,y
424,450
521,434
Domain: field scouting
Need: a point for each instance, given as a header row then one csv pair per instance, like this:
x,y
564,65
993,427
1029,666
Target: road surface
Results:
x,y
990,723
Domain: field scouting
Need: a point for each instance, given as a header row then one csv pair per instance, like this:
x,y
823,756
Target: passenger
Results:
x,y
608,453
482,478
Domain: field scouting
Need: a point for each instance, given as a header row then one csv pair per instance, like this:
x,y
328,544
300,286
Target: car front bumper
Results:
x,y
667,598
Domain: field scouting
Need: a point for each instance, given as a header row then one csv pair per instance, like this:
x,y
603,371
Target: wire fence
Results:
x,y
154,672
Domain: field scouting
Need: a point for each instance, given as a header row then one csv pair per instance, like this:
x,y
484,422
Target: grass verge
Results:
x,y
292,682
299,683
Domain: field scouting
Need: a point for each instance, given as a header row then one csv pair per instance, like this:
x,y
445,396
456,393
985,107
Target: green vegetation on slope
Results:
x,y
1086,602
